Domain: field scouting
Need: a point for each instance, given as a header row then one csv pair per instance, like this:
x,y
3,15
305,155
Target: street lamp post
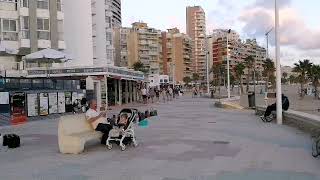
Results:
x,y
267,37
278,68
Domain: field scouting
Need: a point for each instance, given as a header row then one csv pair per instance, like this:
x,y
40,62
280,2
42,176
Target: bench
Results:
x,y
74,132
304,121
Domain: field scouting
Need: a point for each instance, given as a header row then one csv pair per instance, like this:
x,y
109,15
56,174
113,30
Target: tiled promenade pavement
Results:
x,y
191,140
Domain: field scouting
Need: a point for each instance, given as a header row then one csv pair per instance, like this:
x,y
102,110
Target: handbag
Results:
x,y
11,140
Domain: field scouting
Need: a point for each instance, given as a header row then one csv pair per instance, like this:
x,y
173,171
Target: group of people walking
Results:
x,y
156,94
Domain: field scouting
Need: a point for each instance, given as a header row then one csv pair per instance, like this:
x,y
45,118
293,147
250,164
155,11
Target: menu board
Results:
x,y
53,103
44,106
61,102
33,107
4,97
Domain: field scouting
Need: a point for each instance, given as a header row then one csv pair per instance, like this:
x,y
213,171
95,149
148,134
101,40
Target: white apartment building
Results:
x,y
28,26
89,30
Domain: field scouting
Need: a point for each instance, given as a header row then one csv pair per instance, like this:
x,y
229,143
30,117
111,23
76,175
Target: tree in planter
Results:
x,y
314,76
249,63
239,72
216,72
302,67
284,78
139,66
195,77
187,80
268,71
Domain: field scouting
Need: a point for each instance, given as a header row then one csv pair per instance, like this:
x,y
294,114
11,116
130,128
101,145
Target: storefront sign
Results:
x,y
112,70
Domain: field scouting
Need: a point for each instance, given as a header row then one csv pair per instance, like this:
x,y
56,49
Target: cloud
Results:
x,y
293,30
269,4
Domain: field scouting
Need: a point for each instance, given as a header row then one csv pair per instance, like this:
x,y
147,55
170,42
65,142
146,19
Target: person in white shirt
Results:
x,y
144,95
98,120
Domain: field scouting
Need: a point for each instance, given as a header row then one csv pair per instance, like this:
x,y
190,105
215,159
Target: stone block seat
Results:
x,y
74,132
304,121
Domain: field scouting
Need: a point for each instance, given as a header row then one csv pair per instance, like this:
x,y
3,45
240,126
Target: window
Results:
x,y
43,26
59,7
9,25
25,27
8,29
60,30
43,4
25,84
37,83
24,3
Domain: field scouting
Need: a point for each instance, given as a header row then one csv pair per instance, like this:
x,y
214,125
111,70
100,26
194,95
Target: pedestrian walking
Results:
x,y
152,94
144,95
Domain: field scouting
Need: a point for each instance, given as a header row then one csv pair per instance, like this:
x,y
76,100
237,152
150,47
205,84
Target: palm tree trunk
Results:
x,y
248,81
241,85
302,90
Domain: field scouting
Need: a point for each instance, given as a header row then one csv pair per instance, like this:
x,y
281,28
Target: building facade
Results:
x,y
90,37
29,26
238,51
139,43
177,54
196,29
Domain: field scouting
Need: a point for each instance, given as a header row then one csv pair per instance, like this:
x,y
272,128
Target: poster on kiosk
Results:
x,y
53,103
18,113
61,102
44,104
33,107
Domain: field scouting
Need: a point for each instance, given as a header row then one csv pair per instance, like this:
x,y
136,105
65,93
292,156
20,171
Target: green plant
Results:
x,y
302,67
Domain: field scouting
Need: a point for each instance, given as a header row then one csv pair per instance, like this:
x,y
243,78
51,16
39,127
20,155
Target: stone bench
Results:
x,y
304,121
74,132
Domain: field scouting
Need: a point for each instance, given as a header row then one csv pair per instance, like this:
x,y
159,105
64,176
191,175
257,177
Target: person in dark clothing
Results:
x,y
273,107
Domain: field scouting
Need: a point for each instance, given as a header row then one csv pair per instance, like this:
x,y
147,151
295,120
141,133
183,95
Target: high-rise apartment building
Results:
x,y
122,44
139,44
177,54
29,26
238,51
98,18
196,29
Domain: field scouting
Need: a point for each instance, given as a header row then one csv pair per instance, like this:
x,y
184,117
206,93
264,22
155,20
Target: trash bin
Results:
x,y
251,99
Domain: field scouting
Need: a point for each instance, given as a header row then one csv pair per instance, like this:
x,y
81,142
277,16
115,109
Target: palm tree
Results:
x,y
216,73
139,66
302,67
268,71
239,72
249,63
292,79
314,76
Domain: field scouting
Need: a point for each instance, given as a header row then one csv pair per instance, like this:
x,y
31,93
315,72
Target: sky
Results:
x,y
299,21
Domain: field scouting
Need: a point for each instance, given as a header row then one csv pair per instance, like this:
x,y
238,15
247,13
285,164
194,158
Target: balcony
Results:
x,y
9,36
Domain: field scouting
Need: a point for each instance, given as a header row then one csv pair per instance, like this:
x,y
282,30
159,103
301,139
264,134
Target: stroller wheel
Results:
x,y
315,148
135,144
123,148
110,146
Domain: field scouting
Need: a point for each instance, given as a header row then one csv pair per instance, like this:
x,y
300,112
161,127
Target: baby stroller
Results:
x,y
119,134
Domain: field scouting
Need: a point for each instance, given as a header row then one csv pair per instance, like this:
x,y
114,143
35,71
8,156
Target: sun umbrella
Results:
x,y
48,55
